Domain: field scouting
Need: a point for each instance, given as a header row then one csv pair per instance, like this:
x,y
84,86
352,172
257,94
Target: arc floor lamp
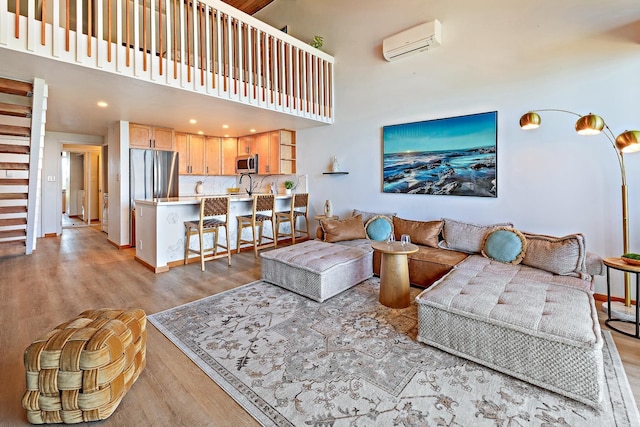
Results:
x,y
626,142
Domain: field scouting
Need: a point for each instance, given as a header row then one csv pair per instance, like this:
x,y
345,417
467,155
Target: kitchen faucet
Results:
x,y
250,190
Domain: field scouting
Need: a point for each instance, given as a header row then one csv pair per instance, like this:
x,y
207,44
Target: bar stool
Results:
x,y
210,207
299,208
261,203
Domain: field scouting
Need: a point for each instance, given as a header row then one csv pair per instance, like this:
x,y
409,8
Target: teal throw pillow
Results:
x,y
504,244
378,228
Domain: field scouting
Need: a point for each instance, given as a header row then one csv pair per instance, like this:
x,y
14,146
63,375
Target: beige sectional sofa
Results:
x,y
525,308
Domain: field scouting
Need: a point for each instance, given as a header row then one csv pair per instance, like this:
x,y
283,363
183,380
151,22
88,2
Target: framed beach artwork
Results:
x,y
453,156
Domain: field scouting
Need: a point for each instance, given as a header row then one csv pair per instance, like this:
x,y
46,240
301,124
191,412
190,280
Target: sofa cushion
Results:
x,y
464,236
559,255
504,244
379,228
336,230
426,233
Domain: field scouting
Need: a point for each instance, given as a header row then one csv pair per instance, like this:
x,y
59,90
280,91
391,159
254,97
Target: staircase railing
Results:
x,y
204,46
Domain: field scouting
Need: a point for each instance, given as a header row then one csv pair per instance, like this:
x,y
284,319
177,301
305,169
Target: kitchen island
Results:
x,y
160,232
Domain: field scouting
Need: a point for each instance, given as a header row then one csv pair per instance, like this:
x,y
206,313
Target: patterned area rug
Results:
x,y
351,361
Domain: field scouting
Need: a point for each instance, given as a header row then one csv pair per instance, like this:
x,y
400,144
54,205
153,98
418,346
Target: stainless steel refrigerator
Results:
x,y
152,174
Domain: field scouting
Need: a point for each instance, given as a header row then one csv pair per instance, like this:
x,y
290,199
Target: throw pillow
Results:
x,y
504,244
426,233
366,216
378,228
337,230
559,255
464,236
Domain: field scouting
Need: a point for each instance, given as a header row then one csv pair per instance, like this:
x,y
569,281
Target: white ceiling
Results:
x,y
75,90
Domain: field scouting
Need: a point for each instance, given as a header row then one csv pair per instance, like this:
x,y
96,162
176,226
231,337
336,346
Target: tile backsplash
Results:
x,y
261,183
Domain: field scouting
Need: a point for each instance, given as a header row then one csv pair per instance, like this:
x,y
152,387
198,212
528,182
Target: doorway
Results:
x,y
81,186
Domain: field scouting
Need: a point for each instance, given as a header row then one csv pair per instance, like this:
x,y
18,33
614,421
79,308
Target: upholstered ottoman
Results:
x,y
315,269
543,333
81,370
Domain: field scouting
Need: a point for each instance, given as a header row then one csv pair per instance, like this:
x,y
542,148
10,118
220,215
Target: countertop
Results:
x,y
193,200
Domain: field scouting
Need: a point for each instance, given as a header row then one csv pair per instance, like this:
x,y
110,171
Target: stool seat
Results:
x,y
81,370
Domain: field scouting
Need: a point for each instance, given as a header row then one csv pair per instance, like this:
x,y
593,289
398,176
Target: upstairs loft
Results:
x,y
201,46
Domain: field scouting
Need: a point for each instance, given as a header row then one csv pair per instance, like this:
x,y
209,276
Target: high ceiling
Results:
x,y
248,6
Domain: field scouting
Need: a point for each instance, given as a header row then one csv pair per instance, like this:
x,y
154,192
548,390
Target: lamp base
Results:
x,y
619,311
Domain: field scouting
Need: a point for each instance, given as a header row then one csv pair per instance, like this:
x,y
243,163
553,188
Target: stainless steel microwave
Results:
x,y
247,164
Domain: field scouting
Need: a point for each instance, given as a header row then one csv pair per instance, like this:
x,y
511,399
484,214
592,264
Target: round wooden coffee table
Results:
x,y
394,273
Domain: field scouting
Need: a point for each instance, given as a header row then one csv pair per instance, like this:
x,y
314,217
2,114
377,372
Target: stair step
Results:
x,y
16,88
15,110
15,130
14,181
14,166
6,222
12,209
7,234
13,196
14,149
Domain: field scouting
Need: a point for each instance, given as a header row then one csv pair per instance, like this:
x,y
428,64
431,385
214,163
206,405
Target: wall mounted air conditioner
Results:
x,y
416,39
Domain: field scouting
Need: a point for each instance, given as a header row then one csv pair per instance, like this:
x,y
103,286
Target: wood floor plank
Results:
x,y
79,271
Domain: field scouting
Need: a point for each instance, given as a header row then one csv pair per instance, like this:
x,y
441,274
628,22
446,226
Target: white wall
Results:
x,y
505,56
51,205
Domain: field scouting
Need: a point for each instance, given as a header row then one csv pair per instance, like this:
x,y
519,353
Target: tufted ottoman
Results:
x,y
81,370
544,333
315,269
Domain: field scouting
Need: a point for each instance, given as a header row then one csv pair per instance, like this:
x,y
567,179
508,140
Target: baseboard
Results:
x,y
118,246
152,268
603,297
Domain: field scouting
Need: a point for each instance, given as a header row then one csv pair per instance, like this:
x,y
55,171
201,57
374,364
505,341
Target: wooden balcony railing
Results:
x,y
205,46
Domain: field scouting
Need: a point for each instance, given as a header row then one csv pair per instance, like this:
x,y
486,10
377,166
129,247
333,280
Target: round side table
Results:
x,y
394,273
624,314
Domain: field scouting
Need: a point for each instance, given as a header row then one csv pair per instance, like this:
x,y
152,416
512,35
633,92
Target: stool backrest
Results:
x,y
300,200
214,206
264,202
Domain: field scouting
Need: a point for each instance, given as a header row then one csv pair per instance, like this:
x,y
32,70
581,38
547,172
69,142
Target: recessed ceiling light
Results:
x,y
200,132
225,126
252,130
102,104
193,121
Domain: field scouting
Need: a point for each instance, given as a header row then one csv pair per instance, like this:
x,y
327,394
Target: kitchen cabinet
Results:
x,y
246,145
287,141
144,136
191,155
213,156
276,152
229,152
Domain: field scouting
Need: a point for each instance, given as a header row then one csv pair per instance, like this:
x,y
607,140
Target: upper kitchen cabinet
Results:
x,y
246,145
213,156
287,142
276,152
191,153
229,150
144,136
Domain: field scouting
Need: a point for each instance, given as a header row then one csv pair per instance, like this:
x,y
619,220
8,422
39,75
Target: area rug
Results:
x,y
350,361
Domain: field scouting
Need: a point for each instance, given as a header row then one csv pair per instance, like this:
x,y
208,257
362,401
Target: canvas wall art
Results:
x,y
451,156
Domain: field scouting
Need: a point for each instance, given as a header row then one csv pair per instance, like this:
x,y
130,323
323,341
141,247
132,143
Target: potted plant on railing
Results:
x,y
288,186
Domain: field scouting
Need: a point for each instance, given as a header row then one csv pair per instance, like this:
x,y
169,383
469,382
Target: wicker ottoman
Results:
x,y
541,333
315,269
81,370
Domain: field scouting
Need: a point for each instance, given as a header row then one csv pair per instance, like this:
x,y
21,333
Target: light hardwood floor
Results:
x,y
81,271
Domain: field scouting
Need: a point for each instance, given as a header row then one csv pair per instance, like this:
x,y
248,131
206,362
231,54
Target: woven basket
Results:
x,y
81,370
